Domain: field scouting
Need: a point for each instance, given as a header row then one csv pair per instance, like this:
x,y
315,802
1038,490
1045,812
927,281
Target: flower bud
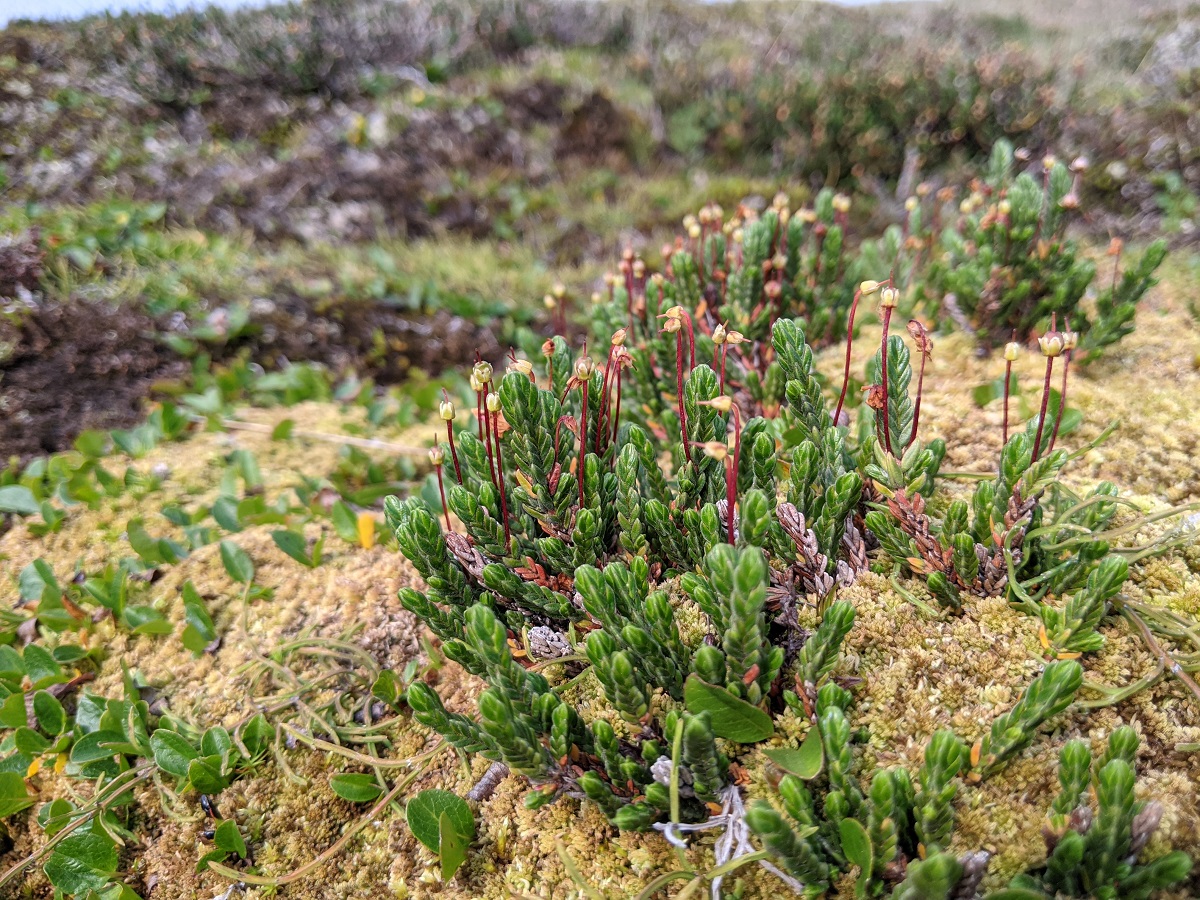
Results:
x,y
492,401
721,404
1080,164
1048,162
521,367
780,201
482,371
548,347
690,222
560,290
1070,339
446,410
738,235
911,203
610,279
694,231
639,268
618,338
868,287
841,203
779,261
549,302
584,367
672,325
889,298
735,337
715,449
718,335
1011,351
772,289
476,384
1052,344
1004,207
437,455
596,297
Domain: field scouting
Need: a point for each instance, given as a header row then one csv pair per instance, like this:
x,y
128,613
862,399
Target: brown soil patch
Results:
x,y
73,367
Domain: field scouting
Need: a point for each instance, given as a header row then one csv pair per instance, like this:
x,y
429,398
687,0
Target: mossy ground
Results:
x,y
915,672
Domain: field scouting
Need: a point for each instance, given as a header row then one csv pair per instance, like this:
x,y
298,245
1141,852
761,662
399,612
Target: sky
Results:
x,y
70,9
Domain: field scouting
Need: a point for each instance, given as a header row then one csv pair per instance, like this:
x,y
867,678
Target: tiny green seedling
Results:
x,y
443,822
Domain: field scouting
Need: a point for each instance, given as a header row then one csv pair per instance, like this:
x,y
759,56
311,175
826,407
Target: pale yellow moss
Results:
x,y
910,673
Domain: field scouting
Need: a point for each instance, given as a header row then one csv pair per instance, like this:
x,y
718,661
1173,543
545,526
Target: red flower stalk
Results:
x,y
1069,339
437,457
887,299
674,325
1011,350
446,410
720,451
925,348
582,379
493,413
481,377
867,287
1052,344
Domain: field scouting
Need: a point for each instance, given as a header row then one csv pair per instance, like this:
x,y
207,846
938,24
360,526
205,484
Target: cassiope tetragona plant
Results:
x,y
649,526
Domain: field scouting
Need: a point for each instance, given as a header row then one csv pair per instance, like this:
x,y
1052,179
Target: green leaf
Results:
x,y
258,734
228,838
804,763
14,796
237,563
225,513
294,545
13,713
41,667
355,787
81,863
205,775
732,719
96,746
29,742
50,715
199,632
215,741
856,845
147,620
52,817
345,522
424,815
18,499
452,849
283,431
172,753
1017,894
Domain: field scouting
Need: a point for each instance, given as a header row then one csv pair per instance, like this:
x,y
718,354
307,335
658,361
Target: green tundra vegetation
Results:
x,y
590,450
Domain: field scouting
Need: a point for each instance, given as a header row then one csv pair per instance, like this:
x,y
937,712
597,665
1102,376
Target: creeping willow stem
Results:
x,y
1011,350
447,412
867,287
437,456
1052,344
888,298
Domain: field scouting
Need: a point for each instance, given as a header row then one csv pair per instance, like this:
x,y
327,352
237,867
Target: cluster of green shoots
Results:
x,y
654,525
